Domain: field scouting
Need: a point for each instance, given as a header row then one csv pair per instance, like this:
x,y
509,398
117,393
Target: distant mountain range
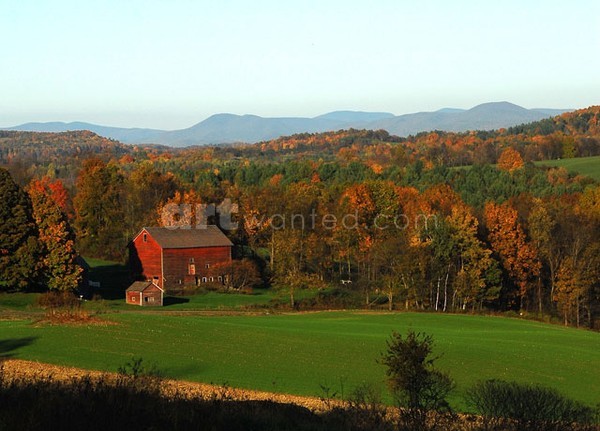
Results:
x,y
229,128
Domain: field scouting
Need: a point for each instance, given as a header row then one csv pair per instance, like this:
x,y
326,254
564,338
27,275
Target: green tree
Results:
x,y
413,379
19,243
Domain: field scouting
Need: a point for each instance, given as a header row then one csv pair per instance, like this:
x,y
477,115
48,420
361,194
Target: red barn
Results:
x,y
172,258
144,293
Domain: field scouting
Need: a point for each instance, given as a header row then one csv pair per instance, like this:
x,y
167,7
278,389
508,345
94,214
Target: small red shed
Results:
x,y
144,293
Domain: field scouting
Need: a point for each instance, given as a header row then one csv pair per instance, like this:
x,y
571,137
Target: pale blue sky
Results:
x,y
169,64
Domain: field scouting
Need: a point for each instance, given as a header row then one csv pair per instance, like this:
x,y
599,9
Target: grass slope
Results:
x,y
296,353
589,166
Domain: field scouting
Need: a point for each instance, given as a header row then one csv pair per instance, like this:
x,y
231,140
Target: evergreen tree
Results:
x,y
18,237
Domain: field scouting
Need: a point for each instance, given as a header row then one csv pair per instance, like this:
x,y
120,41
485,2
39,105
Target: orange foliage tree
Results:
x,y
59,267
507,238
510,160
181,210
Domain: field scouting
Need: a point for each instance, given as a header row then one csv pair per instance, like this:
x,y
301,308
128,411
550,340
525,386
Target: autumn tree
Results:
x,y
577,284
545,237
19,244
507,238
183,209
571,284
510,160
473,259
99,210
291,231
369,211
238,274
59,268
398,269
146,189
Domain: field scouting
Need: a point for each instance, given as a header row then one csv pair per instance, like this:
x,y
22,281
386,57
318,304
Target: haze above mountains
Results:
x,y
229,128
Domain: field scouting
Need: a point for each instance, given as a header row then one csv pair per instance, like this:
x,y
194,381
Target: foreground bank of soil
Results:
x,y
30,369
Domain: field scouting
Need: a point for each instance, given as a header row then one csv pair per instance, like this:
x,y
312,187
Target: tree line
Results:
x,y
424,248
423,235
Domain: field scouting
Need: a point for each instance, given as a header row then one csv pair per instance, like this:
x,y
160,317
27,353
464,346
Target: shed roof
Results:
x,y
140,286
208,236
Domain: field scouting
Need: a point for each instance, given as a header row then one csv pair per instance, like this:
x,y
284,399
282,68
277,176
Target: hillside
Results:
x,y
570,135
48,147
319,349
127,135
589,166
26,154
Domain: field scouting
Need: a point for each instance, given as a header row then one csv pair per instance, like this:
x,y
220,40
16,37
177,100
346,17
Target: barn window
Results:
x,y
220,279
151,299
207,265
191,260
146,299
192,269
212,279
145,237
204,280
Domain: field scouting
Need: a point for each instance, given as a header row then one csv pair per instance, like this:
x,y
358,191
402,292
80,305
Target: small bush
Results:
x,y
136,374
366,408
62,307
530,407
54,300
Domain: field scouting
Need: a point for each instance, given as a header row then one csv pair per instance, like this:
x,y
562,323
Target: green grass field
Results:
x,y
589,166
296,353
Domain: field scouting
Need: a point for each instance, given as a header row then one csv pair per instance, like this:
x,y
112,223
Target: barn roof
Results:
x,y
208,236
140,286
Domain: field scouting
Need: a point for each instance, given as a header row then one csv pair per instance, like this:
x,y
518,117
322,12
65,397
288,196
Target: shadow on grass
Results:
x,y
114,278
173,300
9,346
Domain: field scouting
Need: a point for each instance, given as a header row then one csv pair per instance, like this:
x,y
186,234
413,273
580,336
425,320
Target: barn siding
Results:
x,y
154,293
133,298
145,258
148,260
176,264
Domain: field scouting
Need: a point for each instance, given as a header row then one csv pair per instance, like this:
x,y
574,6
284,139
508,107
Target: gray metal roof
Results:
x,y
209,236
139,286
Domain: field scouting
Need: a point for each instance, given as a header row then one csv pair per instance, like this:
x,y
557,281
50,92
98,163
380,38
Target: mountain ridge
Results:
x,y
230,128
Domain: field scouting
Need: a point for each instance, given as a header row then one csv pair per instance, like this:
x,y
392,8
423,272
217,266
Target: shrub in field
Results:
x,y
527,407
58,299
418,387
62,307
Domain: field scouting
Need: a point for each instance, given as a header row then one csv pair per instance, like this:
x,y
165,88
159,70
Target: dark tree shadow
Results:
x,y
173,300
9,346
113,279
